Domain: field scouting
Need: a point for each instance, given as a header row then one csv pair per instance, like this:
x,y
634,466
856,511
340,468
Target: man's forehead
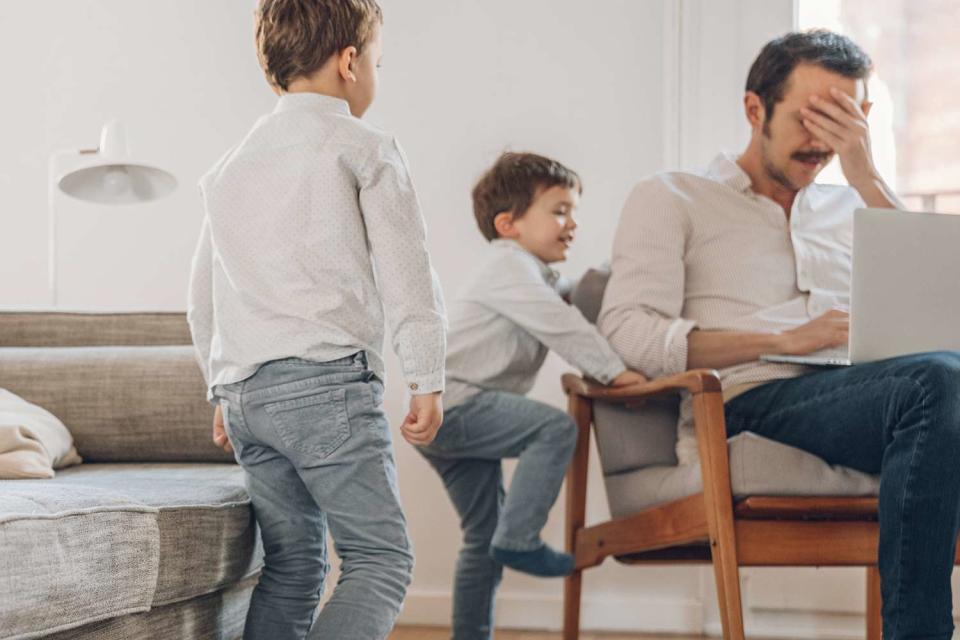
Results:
x,y
808,79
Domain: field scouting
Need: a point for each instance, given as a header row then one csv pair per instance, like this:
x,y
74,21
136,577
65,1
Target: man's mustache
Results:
x,y
811,156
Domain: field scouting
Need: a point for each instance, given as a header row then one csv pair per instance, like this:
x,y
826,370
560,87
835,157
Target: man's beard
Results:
x,y
777,174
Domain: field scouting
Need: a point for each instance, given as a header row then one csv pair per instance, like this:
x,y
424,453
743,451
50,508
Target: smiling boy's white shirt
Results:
x,y
504,321
299,217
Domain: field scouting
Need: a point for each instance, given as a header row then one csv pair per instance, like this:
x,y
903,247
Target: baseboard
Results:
x,y
522,611
800,625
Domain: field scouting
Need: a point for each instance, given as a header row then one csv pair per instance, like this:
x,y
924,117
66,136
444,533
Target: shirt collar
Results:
x,y
549,275
724,169
314,101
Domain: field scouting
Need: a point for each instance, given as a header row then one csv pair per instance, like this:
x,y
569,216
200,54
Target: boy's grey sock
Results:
x,y
544,561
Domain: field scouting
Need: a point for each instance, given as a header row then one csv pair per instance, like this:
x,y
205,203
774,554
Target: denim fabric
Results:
x,y
466,453
316,448
899,418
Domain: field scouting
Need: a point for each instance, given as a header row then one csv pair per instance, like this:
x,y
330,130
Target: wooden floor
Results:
x,y
443,633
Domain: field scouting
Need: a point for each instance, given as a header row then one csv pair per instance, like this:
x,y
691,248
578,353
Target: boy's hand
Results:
x,y
627,378
220,432
424,419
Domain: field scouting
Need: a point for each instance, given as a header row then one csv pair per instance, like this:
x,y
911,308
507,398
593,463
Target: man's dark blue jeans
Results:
x,y
899,418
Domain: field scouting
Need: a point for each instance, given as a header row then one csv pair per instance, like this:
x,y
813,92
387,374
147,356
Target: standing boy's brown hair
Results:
x,y
513,183
297,37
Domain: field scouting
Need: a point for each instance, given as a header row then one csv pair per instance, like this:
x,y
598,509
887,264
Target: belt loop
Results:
x,y
361,358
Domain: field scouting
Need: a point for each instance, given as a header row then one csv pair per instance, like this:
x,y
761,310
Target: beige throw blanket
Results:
x,y
33,442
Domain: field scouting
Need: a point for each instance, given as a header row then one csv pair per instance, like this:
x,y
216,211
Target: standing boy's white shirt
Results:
x,y
299,217
505,320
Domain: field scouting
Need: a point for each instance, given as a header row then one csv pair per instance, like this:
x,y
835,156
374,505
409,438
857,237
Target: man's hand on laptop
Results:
x,y
832,329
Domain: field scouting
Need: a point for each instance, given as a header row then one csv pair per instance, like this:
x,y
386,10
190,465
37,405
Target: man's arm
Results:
x,y
644,297
200,299
719,349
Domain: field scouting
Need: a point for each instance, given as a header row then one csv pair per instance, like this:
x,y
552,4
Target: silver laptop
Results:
x,y
905,295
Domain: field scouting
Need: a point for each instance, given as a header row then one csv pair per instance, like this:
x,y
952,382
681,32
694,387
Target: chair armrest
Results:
x,y
695,381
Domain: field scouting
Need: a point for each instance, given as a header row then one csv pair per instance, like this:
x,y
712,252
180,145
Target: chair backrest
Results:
x,y
627,439
59,329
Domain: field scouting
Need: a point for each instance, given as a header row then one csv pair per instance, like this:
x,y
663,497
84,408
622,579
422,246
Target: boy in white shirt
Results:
x,y
506,318
288,323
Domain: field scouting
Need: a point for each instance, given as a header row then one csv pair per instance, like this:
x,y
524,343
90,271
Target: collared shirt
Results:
x,y
506,318
706,251
299,217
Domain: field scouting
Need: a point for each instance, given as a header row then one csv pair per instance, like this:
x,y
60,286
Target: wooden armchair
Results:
x,y
711,526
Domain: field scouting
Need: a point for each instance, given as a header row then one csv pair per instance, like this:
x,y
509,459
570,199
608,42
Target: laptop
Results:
x,y
905,294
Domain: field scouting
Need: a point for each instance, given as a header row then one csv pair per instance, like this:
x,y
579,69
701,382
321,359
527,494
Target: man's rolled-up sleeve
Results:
x,y
642,305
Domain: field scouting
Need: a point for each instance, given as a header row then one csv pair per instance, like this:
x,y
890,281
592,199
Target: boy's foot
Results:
x,y
543,562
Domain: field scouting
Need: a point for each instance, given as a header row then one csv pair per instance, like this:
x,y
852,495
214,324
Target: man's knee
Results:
x,y
562,429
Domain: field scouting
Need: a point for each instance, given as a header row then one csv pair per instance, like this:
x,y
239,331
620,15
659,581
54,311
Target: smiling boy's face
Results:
x,y
546,229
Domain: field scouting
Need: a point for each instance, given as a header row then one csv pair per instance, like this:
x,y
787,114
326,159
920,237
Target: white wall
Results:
x,y
606,86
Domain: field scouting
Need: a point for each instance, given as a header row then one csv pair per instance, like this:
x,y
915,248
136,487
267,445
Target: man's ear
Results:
x,y
503,223
345,60
755,111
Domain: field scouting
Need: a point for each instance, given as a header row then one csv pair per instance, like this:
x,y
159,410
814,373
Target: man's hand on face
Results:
x,y
841,124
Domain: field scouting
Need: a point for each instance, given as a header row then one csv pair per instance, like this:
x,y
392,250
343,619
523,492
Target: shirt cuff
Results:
x,y
675,356
422,384
614,369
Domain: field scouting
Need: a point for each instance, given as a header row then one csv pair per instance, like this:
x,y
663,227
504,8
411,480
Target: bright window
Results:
x,y
915,121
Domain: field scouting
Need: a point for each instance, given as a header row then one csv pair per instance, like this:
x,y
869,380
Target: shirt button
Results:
x,y
414,386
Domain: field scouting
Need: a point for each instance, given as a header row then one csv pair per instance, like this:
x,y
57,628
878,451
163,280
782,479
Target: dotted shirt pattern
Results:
x,y
312,238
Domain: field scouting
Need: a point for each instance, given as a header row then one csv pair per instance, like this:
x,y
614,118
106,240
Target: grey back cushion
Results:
x,y
57,329
120,404
627,438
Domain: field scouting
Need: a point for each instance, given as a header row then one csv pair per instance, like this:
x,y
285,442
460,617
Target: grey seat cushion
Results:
x,y
127,538
121,404
758,466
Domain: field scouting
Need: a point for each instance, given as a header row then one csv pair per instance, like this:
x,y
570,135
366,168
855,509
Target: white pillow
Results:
x,y
33,442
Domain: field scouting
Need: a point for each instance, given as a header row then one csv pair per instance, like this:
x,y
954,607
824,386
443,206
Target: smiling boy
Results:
x,y
503,323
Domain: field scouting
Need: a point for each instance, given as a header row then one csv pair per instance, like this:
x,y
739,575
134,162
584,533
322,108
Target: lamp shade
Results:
x,y
108,175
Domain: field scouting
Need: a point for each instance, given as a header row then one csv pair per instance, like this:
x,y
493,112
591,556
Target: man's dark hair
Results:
x,y
512,184
770,71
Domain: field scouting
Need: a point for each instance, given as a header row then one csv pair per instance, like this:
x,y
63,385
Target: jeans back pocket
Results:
x,y
314,424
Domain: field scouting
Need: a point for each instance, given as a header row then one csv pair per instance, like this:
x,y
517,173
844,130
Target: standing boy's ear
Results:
x,y
345,63
503,223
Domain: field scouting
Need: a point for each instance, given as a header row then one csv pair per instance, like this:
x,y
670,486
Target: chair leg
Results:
x,y
718,502
571,605
874,605
581,410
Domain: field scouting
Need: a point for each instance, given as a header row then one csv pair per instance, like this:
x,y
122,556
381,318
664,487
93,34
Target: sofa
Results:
x,y
153,535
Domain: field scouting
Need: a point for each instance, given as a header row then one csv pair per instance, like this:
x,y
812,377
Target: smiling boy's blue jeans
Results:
x,y
899,418
316,448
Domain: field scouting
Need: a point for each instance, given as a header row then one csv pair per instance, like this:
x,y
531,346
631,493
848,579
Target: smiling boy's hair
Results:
x,y
296,37
512,184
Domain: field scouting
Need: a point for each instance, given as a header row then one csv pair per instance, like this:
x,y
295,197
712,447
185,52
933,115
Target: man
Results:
x,y
752,257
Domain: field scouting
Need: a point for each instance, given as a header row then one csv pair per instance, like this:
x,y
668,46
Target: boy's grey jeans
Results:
x,y
467,453
315,445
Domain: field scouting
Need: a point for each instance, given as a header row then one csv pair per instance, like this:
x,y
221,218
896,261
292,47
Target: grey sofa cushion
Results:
x,y
72,555
121,404
56,329
193,534
758,466
207,534
587,295
216,616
